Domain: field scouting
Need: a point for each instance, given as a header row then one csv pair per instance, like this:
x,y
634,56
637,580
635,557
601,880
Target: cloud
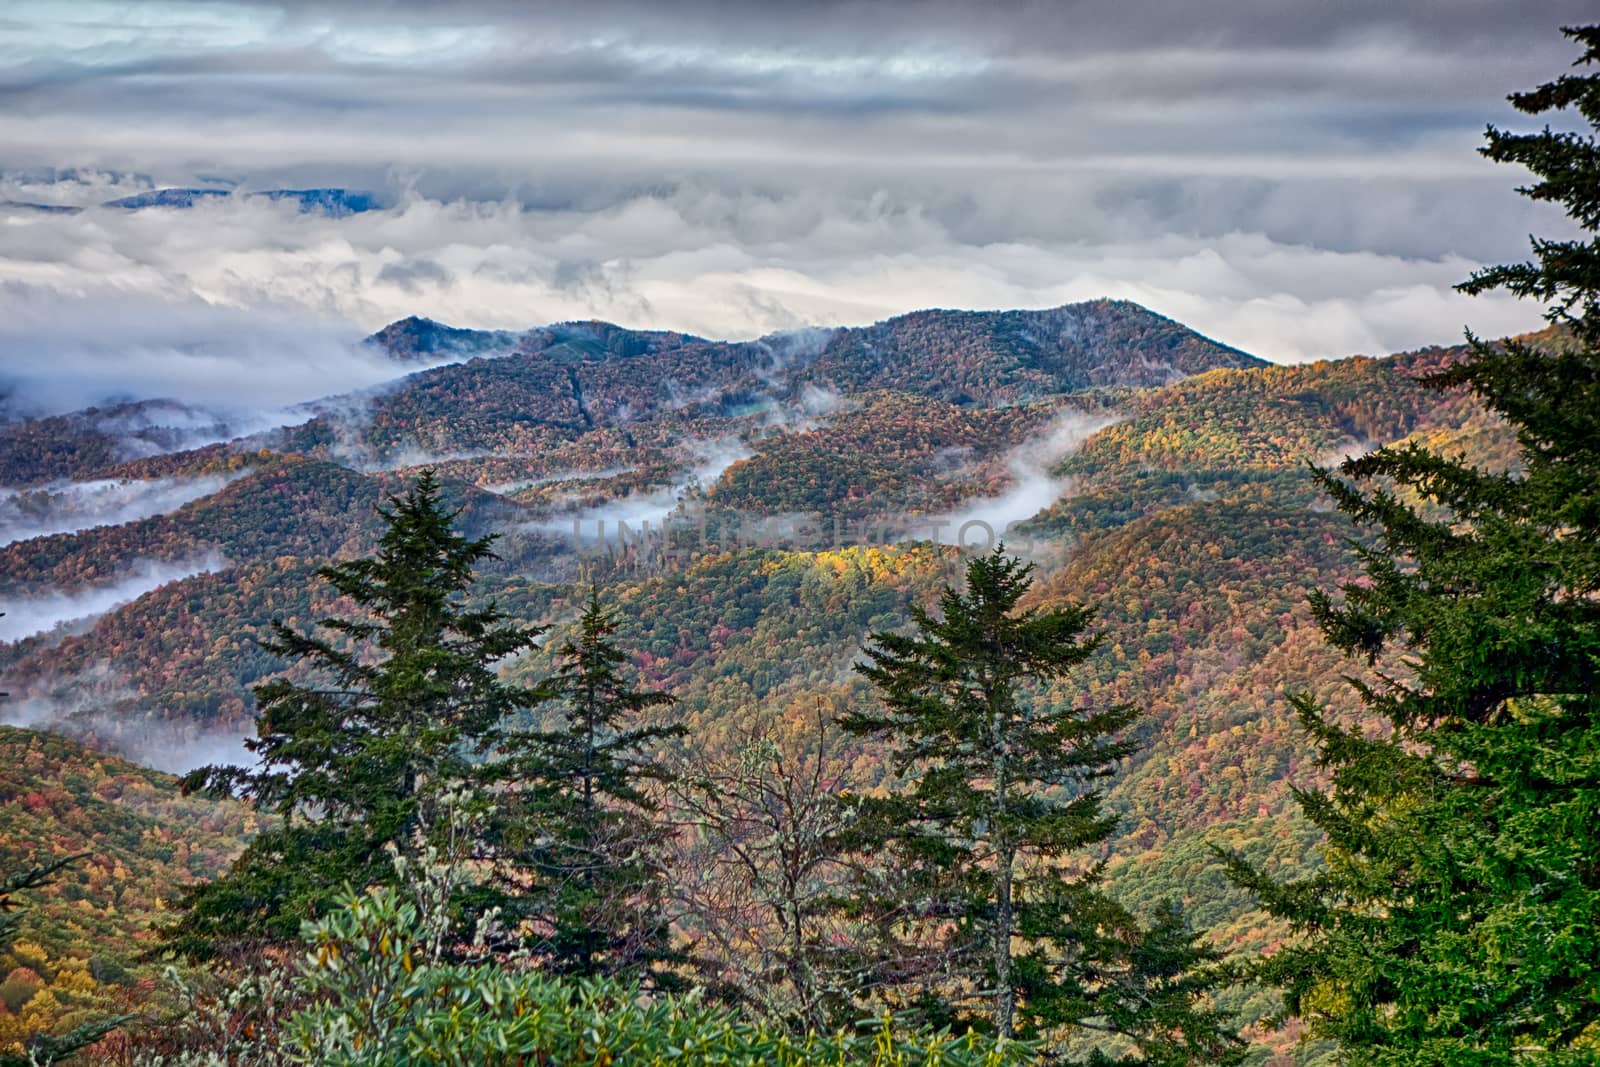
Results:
x,y
1295,179
643,513
98,707
99,339
507,488
27,614
247,299
985,521
69,507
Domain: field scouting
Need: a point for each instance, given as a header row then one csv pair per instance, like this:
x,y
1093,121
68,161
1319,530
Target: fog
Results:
x,y
560,476
73,506
645,511
1032,487
27,614
97,706
244,365
238,303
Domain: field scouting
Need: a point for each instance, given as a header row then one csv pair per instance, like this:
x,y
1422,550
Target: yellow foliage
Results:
x,y
40,1010
74,977
31,954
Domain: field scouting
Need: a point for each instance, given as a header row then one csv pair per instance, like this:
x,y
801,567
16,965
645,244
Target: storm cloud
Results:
x,y
1297,179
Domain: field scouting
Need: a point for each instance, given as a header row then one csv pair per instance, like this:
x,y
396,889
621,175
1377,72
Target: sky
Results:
x,y
1295,177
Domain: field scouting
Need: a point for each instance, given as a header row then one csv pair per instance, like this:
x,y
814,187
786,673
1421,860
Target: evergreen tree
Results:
x,y
407,695
983,921
581,845
1458,920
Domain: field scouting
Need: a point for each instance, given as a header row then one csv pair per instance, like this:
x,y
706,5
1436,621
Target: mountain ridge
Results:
x,y
1184,513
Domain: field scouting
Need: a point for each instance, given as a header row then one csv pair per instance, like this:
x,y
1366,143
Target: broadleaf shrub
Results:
x,y
379,1000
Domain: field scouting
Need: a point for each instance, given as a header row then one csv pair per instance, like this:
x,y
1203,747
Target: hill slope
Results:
x,y
1188,519
141,841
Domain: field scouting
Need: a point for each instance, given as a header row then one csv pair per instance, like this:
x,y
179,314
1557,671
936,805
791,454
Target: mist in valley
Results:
x,y
32,612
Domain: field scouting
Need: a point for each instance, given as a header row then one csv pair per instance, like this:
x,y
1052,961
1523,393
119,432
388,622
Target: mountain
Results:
x,y
171,198
333,202
419,339
560,382
41,209
977,357
87,443
1148,469
336,203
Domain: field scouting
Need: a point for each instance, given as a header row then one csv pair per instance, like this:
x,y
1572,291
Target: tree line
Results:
x,y
955,897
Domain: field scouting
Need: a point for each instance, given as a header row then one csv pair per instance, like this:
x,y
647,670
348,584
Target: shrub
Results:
x,y
380,1001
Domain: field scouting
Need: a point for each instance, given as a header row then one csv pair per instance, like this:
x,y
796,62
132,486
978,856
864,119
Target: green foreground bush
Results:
x,y
378,1001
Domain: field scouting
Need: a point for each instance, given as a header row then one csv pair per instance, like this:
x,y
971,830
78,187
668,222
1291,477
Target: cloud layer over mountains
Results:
x,y
1295,179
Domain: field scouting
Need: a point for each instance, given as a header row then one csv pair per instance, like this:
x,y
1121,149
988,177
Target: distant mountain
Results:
x,y
984,357
179,198
419,339
34,451
567,379
335,203
41,209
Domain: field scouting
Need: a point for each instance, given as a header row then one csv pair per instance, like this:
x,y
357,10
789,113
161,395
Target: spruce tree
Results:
x,y
1458,919
580,840
983,923
406,695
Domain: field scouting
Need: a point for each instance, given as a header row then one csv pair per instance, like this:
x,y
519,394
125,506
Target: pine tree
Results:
x,y
408,696
1458,920
983,923
580,840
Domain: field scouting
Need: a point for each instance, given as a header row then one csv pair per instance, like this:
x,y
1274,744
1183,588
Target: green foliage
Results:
x,y
977,885
381,1002
1459,918
574,815
353,764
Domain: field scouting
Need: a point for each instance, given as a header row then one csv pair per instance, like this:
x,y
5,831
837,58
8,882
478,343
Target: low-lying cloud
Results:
x,y
99,707
28,614
985,521
108,337
73,506
644,513
270,307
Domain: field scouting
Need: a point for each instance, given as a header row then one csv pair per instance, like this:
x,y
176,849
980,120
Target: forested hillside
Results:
x,y
75,955
1161,477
